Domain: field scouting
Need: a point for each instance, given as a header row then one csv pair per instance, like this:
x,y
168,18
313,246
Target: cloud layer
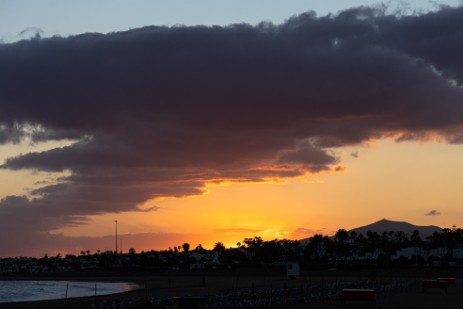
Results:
x,y
161,111
433,213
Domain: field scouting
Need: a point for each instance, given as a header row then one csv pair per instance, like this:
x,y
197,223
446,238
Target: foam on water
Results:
x,y
15,291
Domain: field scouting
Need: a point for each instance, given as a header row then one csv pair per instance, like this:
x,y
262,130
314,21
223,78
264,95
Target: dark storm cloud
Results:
x,y
313,158
10,133
161,111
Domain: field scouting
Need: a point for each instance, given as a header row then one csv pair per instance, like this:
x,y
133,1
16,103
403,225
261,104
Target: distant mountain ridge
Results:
x,y
385,225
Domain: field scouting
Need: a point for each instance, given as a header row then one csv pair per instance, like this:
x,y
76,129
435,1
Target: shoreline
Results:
x,y
33,290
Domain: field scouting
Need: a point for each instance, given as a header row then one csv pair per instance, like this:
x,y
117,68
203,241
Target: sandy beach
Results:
x,y
171,284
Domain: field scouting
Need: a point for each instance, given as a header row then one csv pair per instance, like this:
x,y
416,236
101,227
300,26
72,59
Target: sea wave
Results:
x,y
17,291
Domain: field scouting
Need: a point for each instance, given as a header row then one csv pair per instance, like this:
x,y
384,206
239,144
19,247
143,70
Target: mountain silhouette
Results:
x,y
385,225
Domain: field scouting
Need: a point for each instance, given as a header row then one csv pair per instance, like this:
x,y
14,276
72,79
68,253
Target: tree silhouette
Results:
x,y
372,242
316,249
219,247
353,236
186,247
254,246
415,239
199,248
340,239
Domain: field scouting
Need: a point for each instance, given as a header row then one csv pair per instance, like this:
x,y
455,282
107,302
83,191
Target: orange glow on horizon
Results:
x,y
391,180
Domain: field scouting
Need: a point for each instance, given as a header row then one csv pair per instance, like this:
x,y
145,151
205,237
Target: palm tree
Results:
x,y
341,238
254,246
315,249
372,241
359,244
400,238
219,247
186,247
352,236
199,248
415,239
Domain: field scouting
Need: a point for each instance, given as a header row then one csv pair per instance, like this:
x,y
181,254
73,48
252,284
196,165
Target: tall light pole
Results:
x,y
116,234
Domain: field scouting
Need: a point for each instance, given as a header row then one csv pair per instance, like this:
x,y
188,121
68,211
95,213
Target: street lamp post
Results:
x,y
116,235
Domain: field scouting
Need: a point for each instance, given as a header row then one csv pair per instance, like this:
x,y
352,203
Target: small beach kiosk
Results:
x,y
293,270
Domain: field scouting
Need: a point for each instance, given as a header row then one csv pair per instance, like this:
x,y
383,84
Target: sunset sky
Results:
x,y
206,121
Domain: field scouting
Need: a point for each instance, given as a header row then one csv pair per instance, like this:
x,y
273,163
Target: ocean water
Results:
x,y
15,291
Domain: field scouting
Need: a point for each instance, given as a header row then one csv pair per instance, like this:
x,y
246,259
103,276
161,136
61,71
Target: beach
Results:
x,y
402,287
